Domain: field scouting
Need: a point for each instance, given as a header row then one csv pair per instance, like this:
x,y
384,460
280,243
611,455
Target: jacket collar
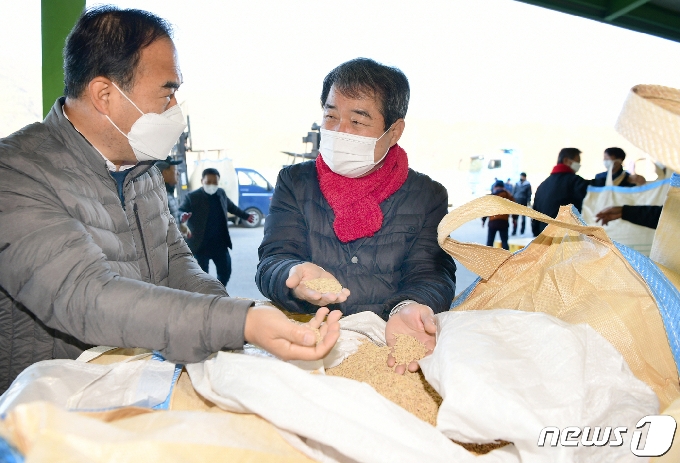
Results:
x,y
79,147
562,169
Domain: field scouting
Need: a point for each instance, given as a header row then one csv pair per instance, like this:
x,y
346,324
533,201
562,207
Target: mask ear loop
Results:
x,y
133,104
388,149
127,98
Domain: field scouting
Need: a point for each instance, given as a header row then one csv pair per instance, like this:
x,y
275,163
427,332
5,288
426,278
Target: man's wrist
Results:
x,y
400,306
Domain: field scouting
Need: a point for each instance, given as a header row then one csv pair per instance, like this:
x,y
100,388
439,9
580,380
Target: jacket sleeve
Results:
x,y
647,216
50,264
186,205
234,209
284,245
580,189
599,180
428,273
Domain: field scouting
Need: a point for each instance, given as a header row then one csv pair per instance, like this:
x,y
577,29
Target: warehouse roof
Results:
x,y
656,17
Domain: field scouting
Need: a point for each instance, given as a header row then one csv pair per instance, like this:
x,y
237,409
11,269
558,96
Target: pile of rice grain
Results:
x,y
324,285
410,391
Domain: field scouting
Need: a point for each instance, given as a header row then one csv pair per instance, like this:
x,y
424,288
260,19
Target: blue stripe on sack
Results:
x,y
166,403
632,189
9,454
666,295
178,369
578,215
675,181
464,295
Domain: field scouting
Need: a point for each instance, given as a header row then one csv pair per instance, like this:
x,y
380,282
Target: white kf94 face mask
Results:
x,y
152,136
349,155
210,189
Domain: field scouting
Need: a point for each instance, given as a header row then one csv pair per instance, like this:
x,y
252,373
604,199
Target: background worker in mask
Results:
x,y
207,210
561,188
171,178
613,159
359,214
89,253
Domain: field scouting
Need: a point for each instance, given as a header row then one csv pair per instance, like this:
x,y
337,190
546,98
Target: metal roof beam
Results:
x,y
619,8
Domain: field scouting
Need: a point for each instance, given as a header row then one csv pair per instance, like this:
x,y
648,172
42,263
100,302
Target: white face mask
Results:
x,y
210,189
349,155
152,136
608,164
575,166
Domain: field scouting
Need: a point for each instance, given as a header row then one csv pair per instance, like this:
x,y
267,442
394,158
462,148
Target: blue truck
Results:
x,y
254,195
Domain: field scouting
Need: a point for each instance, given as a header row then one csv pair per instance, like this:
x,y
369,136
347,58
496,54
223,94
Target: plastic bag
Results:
x,y
506,374
76,385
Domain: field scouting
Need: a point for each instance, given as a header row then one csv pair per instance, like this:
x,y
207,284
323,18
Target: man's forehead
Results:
x,y
159,61
360,102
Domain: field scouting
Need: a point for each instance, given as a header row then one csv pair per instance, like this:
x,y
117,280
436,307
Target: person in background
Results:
x,y
508,185
359,215
522,194
499,223
647,216
561,188
171,178
495,179
613,159
88,252
206,210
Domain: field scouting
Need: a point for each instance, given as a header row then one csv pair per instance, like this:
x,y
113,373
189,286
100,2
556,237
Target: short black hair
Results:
x,y
499,184
107,41
523,174
616,153
365,77
567,153
210,171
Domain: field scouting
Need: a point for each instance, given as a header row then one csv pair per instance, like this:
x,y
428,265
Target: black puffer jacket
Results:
x,y
401,261
198,203
647,216
559,189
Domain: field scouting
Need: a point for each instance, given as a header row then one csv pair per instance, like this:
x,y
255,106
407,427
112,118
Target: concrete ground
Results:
x,y
246,241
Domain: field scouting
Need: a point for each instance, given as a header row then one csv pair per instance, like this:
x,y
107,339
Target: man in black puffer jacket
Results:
x,y
358,214
561,188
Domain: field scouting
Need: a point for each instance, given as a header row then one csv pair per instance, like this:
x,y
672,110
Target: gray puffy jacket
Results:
x,y
76,269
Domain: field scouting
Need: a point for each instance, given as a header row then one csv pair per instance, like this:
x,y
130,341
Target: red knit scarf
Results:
x,y
562,169
356,201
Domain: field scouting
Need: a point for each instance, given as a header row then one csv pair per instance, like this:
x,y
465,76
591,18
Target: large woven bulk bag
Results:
x,y
577,274
650,119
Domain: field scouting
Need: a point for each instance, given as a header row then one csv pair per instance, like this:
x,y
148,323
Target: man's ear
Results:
x,y
397,129
99,93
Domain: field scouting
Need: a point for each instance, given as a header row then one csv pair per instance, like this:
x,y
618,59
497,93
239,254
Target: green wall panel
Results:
x,y
57,19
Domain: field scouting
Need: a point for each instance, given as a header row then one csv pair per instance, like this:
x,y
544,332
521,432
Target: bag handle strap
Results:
x,y
484,260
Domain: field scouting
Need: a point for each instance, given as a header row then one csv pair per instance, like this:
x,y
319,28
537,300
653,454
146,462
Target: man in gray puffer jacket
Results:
x,y
89,253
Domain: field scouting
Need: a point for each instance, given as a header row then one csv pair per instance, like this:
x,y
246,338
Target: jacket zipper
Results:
x,y
141,234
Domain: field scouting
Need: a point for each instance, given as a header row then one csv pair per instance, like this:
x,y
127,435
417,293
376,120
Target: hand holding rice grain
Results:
x,y
408,349
304,280
410,391
324,285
